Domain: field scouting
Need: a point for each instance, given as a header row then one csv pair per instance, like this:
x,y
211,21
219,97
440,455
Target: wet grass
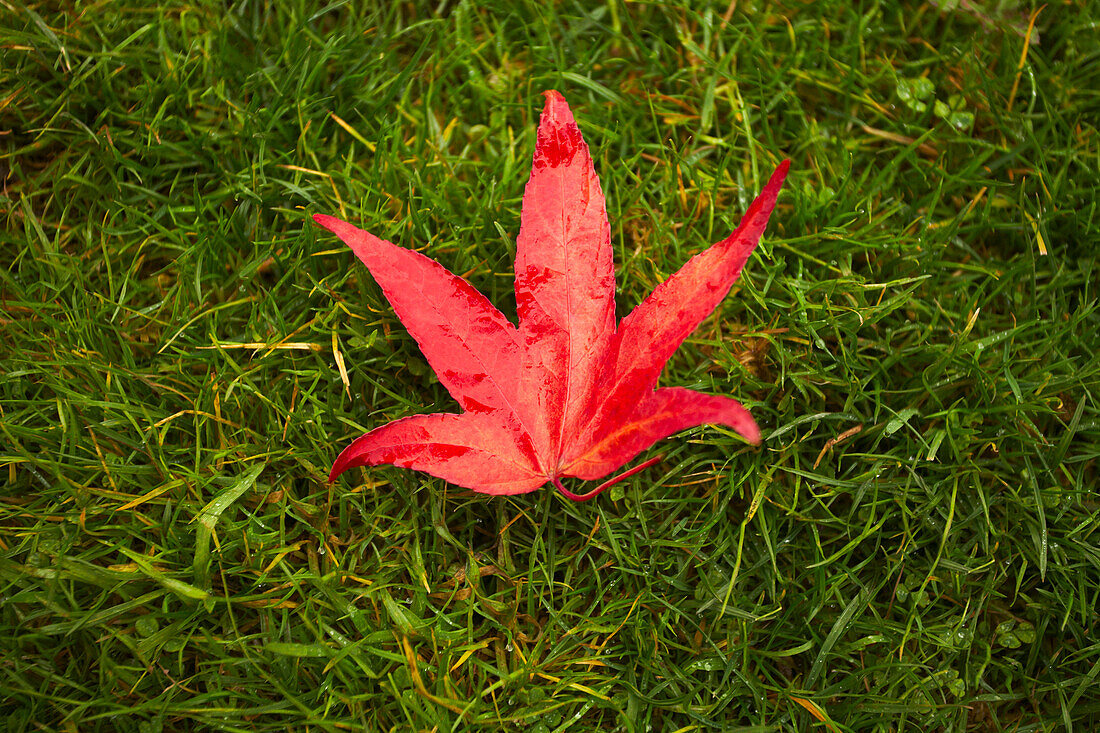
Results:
x,y
913,548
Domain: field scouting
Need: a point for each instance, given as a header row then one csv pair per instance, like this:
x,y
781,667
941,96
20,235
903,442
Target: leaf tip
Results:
x,y
559,138
326,221
756,218
344,461
751,432
776,181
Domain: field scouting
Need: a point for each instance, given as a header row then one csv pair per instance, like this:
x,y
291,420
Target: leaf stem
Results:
x,y
606,484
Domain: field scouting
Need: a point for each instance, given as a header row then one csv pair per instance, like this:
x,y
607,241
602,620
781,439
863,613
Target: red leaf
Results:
x,y
565,393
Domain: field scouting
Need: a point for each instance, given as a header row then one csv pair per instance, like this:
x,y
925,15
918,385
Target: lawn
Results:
x,y
915,546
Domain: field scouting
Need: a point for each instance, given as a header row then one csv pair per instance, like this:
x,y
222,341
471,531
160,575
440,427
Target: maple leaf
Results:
x,y
566,392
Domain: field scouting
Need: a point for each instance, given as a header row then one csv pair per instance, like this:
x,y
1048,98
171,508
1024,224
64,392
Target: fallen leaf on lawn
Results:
x,y
567,392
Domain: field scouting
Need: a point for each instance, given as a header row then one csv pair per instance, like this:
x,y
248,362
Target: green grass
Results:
x,y
172,558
